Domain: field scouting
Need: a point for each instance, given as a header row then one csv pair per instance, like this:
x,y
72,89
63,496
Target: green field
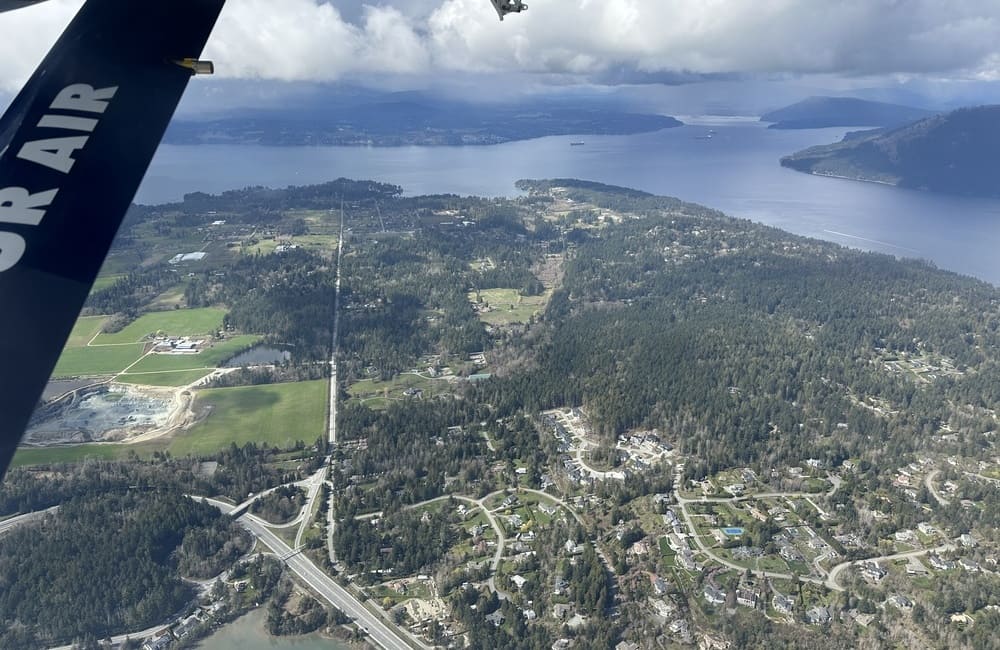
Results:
x,y
105,281
209,358
69,454
179,378
278,414
376,394
175,322
508,305
85,329
84,361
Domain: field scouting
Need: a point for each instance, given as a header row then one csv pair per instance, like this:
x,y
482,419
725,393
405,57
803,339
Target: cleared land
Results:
x,y
507,306
278,414
84,330
175,322
105,281
69,454
84,361
376,394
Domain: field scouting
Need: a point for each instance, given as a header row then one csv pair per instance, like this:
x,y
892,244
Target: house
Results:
x,y
659,586
680,626
186,626
968,541
789,554
496,618
519,581
926,528
663,609
818,616
905,536
714,595
939,564
560,611
783,604
627,645
161,641
562,644
872,571
747,597
529,614
969,565
686,559
900,602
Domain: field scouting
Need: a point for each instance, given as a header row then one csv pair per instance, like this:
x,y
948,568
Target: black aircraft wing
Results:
x,y
74,146
8,5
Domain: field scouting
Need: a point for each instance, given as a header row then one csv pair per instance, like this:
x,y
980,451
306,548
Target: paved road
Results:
x,y
833,580
732,565
929,482
13,522
377,629
331,521
306,516
332,423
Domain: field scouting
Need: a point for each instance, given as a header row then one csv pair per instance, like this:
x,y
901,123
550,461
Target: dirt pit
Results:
x,y
101,414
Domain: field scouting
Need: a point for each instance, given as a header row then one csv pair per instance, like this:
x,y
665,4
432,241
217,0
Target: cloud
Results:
x,y
591,39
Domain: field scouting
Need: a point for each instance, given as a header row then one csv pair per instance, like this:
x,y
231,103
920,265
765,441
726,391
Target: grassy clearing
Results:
x,y
209,358
176,322
69,454
170,299
84,330
507,306
277,414
105,281
179,378
376,394
84,361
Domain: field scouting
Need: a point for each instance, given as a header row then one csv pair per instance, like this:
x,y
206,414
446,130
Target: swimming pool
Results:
x,y
733,532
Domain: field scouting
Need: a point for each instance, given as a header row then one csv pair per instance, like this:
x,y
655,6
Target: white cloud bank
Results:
x,y
311,40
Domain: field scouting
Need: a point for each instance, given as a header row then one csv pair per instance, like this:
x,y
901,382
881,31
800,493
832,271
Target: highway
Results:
x,y
8,524
377,629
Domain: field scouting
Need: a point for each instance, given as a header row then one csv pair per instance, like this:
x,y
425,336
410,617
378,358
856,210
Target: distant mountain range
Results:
x,y
957,152
822,112
401,119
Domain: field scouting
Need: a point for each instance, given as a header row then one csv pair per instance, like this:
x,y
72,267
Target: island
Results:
x,y
822,112
954,153
409,121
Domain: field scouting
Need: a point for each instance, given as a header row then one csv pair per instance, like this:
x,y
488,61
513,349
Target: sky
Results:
x,y
421,43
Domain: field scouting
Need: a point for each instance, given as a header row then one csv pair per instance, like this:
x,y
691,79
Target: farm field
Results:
x,y
276,414
175,322
87,361
84,330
